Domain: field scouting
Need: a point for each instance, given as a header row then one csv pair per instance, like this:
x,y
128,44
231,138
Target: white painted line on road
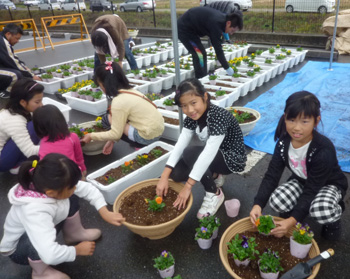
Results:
x,y
86,41
27,40
252,159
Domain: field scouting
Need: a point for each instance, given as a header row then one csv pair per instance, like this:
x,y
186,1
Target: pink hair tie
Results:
x,y
109,66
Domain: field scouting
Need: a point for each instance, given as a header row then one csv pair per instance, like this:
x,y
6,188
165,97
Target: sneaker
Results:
x,y
331,231
220,180
14,170
5,94
211,204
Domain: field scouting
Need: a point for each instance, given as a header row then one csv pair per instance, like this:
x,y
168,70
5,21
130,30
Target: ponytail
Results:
x,y
54,172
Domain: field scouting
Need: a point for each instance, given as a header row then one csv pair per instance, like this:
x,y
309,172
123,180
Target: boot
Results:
x,y
43,271
332,231
73,231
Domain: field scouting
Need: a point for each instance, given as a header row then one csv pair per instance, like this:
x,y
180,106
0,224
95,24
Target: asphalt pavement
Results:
x,y
123,254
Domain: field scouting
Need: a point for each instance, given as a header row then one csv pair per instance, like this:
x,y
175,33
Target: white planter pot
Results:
x,y
168,81
169,272
80,76
171,132
247,127
93,147
52,86
67,82
95,108
163,55
63,108
152,170
155,86
205,243
299,250
146,60
155,58
242,263
171,53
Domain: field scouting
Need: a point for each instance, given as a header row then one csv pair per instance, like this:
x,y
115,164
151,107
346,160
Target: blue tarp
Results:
x,y
332,88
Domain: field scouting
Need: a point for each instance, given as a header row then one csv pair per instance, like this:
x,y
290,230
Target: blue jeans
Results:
x,y
128,55
11,156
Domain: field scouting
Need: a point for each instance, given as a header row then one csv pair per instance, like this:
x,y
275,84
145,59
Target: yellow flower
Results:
x,y
98,118
145,156
302,232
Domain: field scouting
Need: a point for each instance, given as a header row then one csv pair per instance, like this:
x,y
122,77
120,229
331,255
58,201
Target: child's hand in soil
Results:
x,y
111,217
183,196
163,183
86,138
283,226
85,248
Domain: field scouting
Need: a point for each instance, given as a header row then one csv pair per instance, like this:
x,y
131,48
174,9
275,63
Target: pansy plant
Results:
x,y
242,248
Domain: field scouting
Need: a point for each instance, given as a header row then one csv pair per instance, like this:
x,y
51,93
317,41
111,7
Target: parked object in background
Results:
x,y
137,5
316,6
6,5
244,5
101,5
48,5
31,3
72,5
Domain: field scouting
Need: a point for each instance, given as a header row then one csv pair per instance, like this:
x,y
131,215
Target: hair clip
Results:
x,y
34,163
32,87
109,66
177,91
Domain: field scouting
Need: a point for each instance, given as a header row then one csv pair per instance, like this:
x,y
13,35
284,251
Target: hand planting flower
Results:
x,y
242,248
164,261
156,204
270,262
303,234
265,224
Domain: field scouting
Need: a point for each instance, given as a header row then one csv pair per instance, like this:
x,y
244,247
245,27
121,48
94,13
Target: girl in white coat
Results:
x,y
44,202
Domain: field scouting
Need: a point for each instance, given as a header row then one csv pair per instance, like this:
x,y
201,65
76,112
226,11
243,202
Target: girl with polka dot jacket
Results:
x,y
222,150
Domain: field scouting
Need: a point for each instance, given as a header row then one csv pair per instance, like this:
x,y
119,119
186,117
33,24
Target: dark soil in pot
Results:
x,y
116,173
135,209
280,245
172,121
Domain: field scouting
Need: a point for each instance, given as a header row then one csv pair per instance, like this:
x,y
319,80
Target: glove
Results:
x,y
229,71
131,44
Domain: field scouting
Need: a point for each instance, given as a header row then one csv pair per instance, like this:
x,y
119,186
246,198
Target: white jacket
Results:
x,y
15,126
38,216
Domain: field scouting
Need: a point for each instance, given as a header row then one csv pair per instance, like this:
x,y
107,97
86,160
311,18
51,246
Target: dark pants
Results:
x,y
128,55
195,47
8,77
25,248
184,167
11,156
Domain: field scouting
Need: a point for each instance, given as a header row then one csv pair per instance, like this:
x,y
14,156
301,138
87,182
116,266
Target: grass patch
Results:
x,y
302,23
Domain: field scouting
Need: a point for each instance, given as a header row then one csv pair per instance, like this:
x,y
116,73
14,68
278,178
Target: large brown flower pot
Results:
x,y
155,231
246,225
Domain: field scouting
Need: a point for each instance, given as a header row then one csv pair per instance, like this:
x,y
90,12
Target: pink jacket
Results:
x,y
70,146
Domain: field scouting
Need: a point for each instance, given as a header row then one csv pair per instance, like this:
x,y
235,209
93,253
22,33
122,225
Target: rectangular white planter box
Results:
x,y
151,170
63,108
81,77
171,132
67,82
142,85
51,87
95,108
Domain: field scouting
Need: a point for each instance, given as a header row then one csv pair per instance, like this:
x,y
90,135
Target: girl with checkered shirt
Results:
x,y
221,153
317,185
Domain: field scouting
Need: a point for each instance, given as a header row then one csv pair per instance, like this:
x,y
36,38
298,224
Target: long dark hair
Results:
x,y
49,121
54,172
191,84
302,102
113,80
23,89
